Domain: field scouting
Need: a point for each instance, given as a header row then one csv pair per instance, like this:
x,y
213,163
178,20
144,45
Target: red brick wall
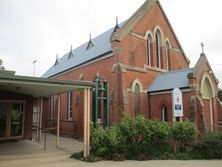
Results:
x,y
158,100
89,72
137,48
131,51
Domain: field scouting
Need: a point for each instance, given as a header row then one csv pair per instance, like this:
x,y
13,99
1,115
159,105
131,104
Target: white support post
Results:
x,y
86,130
58,122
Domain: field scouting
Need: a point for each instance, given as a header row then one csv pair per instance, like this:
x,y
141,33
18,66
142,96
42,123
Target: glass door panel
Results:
x,y
16,120
3,120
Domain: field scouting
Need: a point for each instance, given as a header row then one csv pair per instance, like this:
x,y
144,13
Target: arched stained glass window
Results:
x,y
149,52
137,99
167,56
158,52
164,116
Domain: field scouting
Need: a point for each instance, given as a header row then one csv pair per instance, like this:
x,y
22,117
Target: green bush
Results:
x,y
134,135
159,133
136,138
142,139
104,141
133,129
183,133
209,146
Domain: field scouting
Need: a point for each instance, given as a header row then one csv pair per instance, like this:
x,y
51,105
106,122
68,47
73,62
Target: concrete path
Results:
x,y
26,153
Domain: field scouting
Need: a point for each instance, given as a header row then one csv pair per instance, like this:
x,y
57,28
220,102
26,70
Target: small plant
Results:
x,y
182,133
104,141
209,146
159,133
135,135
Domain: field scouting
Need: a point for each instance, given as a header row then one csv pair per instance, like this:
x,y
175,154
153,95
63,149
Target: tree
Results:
x,y
220,94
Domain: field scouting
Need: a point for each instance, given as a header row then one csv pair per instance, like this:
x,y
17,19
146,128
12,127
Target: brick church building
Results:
x,y
140,61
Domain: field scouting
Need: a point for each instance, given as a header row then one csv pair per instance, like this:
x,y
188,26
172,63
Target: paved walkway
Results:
x,y
26,153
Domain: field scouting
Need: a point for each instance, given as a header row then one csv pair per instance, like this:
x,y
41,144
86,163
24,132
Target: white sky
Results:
x,y
39,29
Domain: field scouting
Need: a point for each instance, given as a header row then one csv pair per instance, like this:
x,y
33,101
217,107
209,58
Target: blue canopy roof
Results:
x,y
170,80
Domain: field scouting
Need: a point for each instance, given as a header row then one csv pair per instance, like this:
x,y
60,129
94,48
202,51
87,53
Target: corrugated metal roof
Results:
x,y
170,80
101,46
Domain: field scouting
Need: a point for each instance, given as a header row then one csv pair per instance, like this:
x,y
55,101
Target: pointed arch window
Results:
x,y
149,52
158,51
164,115
137,99
69,105
167,55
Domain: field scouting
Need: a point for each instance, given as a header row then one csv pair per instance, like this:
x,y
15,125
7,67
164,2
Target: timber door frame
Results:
x,y
9,104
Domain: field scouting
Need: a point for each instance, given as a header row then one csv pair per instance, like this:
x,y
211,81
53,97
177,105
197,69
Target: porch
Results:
x,y
16,105
26,153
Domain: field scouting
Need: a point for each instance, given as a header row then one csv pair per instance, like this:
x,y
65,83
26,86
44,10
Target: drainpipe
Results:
x,y
149,105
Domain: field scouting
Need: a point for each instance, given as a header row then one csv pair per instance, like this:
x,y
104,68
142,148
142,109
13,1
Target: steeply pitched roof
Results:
x,y
81,54
199,65
170,80
101,44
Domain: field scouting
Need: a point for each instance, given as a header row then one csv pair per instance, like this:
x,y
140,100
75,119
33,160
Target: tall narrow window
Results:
x,y
69,107
137,99
167,56
158,53
52,111
164,116
149,40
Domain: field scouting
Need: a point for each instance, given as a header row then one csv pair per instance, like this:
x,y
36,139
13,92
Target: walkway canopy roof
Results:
x,y
38,87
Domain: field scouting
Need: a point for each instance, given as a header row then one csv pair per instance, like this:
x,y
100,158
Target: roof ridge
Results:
x,y
176,71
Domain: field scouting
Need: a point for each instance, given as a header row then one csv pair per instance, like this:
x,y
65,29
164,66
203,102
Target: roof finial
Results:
x,y
70,53
202,45
90,43
117,25
57,60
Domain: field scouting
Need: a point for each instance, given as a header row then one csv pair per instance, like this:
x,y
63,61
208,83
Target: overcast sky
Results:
x,y
39,29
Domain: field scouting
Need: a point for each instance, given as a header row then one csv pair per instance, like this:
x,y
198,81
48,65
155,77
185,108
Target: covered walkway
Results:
x,y
16,99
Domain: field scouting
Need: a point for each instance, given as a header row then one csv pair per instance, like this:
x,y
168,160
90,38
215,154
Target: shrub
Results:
x,y
209,146
134,135
182,133
139,139
104,141
133,129
159,133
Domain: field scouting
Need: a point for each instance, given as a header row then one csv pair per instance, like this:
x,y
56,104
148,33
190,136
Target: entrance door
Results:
x,y
3,120
11,120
